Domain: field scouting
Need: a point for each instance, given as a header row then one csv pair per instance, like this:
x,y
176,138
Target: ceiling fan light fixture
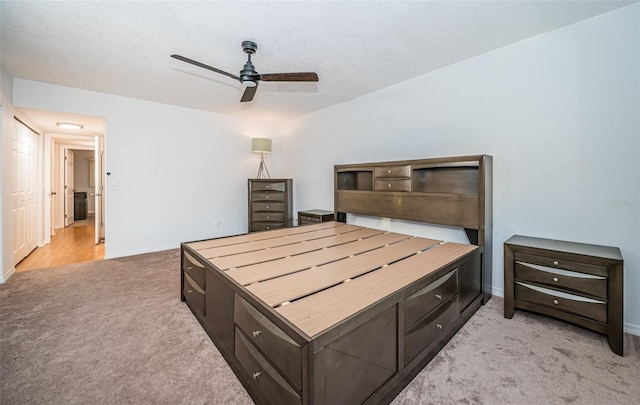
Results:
x,y
69,125
249,83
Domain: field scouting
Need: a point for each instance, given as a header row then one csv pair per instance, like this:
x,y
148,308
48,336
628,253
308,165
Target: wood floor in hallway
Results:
x,y
73,244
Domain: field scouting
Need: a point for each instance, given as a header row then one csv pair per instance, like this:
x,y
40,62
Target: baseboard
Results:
x,y
497,291
5,276
125,253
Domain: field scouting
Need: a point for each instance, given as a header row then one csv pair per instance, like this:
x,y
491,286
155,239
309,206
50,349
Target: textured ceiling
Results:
x,y
356,47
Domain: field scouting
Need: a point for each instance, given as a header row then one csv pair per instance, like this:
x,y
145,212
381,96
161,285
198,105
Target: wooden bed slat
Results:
x,y
256,236
252,246
317,312
279,267
244,259
293,286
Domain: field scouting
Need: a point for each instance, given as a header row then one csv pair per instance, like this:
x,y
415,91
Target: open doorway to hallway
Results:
x,y
71,211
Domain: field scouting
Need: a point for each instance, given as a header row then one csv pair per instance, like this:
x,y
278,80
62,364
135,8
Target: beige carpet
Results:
x,y
115,332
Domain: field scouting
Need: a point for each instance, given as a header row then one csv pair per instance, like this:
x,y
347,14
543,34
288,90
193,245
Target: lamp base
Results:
x,y
262,169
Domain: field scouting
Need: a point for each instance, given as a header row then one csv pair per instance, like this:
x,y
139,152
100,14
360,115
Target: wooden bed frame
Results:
x,y
340,314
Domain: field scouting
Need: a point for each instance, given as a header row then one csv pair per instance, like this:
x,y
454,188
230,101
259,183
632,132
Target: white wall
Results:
x,y
178,171
559,113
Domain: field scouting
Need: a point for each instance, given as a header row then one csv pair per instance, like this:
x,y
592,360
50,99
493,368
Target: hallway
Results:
x,y
73,244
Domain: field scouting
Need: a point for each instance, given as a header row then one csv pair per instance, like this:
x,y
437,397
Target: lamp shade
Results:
x,y
261,145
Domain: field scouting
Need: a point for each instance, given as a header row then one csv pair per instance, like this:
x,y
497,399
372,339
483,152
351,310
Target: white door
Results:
x,y
24,191
69,187
99,188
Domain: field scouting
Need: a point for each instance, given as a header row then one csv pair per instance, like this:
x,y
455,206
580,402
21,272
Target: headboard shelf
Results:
x,y
450,191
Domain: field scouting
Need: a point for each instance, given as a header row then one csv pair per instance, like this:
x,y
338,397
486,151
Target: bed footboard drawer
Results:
x,y
261,375
282,351
418,304
194,269
429,329
193,294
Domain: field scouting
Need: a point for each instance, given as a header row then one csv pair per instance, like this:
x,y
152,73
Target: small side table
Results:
x,y
310,217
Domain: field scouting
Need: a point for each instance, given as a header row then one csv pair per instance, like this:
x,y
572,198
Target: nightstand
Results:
x,y
310,217
575,282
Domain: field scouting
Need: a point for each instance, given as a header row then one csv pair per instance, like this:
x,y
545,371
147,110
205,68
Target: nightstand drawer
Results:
x,y
393,185
558,278
392,171
564,302
554,262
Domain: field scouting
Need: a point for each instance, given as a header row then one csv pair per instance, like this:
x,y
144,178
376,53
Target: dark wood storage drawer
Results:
x,y
307,220
311,217
193,294
392,171
554,262
261,375
265,196
274,206
272,186
393,185
194,269
418,304
282,351
266,226
589,308
569,280
430,328
268,217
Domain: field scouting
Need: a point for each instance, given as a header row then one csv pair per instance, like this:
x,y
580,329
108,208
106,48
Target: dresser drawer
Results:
x,y
429,329
274,206
423,301
268,217
392,171
261,375
282,351
553,262
193,294
259,186
569,280
267,196
575,304
266,226
393,185
194,269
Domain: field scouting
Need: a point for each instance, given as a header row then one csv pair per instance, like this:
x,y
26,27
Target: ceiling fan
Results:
x,y
250,77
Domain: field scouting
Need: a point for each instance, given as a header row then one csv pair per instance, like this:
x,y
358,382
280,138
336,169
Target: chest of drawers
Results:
x,y
270,204
575,282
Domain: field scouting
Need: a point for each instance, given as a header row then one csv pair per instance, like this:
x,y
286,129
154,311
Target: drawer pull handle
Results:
x,y
267,206
555,279
555,262
189,292
389,185
268,228
267,216
256,375
438,296
389,171
555,302
256,333
267,197
267,186
439,326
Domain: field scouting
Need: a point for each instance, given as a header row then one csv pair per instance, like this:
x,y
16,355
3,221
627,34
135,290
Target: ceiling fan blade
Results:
x,y
289,77
248,94
202,65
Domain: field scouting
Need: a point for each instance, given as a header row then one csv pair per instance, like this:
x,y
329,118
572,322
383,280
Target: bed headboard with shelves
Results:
x,y
450,191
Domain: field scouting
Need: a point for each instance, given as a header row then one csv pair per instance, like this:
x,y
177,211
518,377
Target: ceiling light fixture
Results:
x,y
69,125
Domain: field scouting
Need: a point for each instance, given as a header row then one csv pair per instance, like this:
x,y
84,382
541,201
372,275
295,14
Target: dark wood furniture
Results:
x,y
575,282
270,204
452,191
310,217
333,313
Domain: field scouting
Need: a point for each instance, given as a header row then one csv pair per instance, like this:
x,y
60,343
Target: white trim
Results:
x,y
497,291
141,251
5,277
